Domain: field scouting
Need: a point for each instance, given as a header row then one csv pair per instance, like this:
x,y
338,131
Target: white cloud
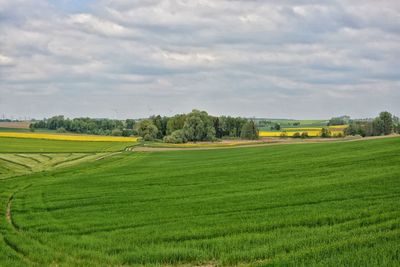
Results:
x,y
4,60
92,23
262,58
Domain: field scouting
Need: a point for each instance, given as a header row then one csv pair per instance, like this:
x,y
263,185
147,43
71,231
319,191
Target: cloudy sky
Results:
x,y
134,58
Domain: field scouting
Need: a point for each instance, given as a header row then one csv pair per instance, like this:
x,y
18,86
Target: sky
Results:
x,y
302,59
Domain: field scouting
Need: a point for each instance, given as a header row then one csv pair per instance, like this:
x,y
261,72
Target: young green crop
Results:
x,y
332,204
24,145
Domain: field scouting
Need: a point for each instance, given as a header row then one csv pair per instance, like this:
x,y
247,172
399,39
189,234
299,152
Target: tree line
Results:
x,y
384,124
195,126
86,126
192,127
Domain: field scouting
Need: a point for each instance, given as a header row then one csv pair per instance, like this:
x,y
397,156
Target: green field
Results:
x,y
288,123
332,204
24,145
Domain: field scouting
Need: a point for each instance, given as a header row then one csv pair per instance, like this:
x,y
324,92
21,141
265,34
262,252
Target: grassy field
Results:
x,y
23,145
68,137
288,123
333,204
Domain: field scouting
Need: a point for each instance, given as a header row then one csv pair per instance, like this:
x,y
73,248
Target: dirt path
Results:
x,y
264,142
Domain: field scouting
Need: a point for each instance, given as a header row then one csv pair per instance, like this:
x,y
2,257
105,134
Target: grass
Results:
x,y
332,204
12,165
25,130
68,137
24,145
288,123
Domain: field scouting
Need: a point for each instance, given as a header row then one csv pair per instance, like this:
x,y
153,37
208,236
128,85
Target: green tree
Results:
x,y
378,127
199,127
325,133
387,120
177,137
61,130
116,132
175,123
161,124
129,124
283,134
296,135
147,130
277,126
304,135
342,120
249,131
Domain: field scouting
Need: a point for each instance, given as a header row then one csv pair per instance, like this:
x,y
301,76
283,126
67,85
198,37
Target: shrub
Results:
x,y
116,132
296,135
325,133
127,132
249,131
177,137
147,130
283,135
339,135
61,130
304,135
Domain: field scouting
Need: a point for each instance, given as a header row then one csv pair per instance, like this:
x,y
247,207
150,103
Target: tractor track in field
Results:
x,y
14,227
17,163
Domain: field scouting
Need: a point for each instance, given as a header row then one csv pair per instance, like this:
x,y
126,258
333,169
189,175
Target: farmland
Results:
x,y
68,137
330,204
311,131
24,145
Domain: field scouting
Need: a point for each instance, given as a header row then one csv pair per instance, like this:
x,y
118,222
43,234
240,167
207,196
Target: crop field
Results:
x,y
330,204
15,125
68,137
23,145
302,123
337,130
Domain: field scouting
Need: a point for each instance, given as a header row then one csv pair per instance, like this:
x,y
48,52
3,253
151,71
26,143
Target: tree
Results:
x,y
296,135
147,130
378,127
199,127
116,132
175,123
177,137
283,134
396,124
127,132
61,130
249,131
387,120
325,133
304,135
161,124
129,124
342,120
277,126
217,127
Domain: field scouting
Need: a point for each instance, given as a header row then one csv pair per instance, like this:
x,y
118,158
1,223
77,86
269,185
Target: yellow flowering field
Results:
x,y
312,131
69,137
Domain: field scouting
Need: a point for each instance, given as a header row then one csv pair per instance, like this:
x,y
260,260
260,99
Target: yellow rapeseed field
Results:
x,y
311,131
66,137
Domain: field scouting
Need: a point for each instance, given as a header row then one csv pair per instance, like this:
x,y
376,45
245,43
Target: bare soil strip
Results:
x,y
15,125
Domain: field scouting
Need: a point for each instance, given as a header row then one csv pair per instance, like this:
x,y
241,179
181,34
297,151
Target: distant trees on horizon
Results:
x,y
181,128
200,126
384,124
